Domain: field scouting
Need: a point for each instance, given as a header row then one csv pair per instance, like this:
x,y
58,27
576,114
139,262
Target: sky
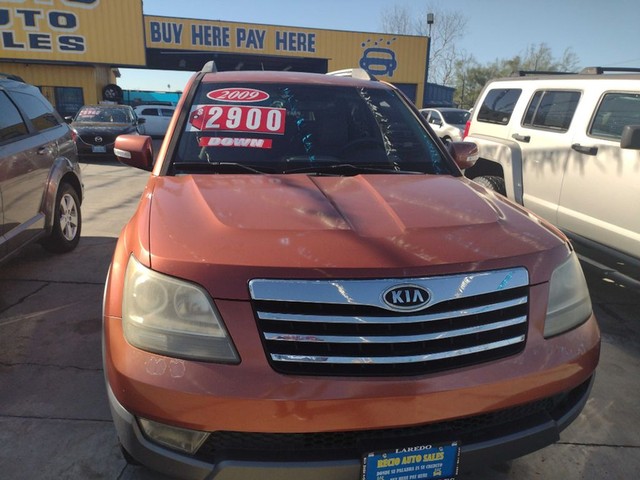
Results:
x,y
600,33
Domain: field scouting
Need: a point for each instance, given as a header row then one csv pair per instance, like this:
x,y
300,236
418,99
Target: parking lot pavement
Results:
x,y
54,417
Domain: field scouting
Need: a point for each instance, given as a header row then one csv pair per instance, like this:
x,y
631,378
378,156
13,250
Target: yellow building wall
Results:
x,y
88,31
90,79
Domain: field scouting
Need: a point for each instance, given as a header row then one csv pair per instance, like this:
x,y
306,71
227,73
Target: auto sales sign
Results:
x,y
81,31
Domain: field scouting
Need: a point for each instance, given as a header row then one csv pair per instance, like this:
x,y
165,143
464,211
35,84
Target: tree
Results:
x,y
445,32
454,68
470,76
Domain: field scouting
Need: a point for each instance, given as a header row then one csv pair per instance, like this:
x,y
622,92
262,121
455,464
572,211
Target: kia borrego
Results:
x,y
96,127
310,288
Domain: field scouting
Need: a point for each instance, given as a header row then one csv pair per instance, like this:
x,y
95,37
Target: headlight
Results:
x,y
569,301
165,315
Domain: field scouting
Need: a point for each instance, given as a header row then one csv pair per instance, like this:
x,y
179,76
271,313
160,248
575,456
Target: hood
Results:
x,y
227,229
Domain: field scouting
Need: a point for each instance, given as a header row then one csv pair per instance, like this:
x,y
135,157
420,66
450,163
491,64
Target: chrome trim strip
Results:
x,y
288,337
278,357
293,317
369,292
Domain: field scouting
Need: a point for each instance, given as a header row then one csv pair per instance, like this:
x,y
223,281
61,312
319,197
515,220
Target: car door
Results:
x,y
600,197
165,114
152,120
436,122
544,140
26,155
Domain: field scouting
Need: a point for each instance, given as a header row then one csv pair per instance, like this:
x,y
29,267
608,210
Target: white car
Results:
x,y
567,147
448,123
157,118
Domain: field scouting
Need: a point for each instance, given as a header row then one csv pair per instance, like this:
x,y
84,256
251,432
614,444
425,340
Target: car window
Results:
x,y
498,105
455,117
40,113
104,114
284,128
149,112
166,112
11,123
616,110
551,110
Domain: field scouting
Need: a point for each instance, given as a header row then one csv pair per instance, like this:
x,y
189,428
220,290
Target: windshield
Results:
x,y
104,115
456,117
275,128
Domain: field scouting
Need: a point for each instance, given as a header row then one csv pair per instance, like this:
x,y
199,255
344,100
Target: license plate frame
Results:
x,y
434,462
98,149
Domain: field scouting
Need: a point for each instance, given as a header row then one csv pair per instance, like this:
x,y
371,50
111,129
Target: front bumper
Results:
x,y
485,439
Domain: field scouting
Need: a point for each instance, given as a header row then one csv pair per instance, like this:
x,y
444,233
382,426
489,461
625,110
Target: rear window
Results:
x,y
616,110
498,105
275,128
552,110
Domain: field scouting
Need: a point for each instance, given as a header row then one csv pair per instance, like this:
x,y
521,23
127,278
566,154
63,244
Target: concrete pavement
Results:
x,y
54,417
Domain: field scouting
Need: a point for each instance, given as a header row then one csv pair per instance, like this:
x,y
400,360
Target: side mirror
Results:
x,y
435,121
465,154
68,119
141,121
630,137
135,151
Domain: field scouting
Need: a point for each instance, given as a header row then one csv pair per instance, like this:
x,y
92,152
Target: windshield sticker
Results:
x,y
237,118
265,143
238,95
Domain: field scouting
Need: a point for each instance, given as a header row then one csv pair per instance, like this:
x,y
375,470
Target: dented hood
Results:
x,y
223,230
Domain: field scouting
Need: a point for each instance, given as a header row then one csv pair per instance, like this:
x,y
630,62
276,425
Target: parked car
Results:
x,y
156,119
40,181
567,147
310,288
96,127
448,123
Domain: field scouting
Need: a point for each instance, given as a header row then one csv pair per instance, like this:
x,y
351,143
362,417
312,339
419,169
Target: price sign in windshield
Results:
x,y
238,118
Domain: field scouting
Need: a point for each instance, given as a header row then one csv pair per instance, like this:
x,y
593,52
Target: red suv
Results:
x,y
310,288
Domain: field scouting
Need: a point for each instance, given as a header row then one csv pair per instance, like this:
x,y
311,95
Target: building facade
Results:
x,y
72,49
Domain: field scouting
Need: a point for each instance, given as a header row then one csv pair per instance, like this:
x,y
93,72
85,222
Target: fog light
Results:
x,y
181,439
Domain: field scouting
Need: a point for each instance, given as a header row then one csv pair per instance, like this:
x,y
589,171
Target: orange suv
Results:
x,y
310,288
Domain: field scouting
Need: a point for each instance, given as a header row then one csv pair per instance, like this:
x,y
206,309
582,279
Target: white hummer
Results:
x,y
567,147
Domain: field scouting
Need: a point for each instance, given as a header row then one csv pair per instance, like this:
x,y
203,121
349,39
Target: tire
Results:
x,y
67,221
112,93
492,183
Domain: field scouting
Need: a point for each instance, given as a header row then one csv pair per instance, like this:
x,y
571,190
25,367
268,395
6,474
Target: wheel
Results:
x,y
112,93
67,221
492,182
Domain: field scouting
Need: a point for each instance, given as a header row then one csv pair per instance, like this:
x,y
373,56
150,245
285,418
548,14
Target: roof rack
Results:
x,y
601,70
357,73
210,67
11,76
524,73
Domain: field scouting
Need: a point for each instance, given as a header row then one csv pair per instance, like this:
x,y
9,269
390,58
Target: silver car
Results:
x,y
40,182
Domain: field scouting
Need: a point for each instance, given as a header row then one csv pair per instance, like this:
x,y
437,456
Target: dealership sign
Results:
x,y
72,30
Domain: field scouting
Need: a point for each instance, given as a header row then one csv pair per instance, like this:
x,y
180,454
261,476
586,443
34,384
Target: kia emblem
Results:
x,y
406,298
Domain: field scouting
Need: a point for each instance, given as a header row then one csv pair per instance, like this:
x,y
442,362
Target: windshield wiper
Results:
x,y
215,167
349,169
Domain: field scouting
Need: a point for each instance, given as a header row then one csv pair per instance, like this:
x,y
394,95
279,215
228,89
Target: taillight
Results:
x,y
466,129
74,135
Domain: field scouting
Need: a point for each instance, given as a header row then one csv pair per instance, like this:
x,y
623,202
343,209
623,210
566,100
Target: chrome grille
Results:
x,y
346,327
